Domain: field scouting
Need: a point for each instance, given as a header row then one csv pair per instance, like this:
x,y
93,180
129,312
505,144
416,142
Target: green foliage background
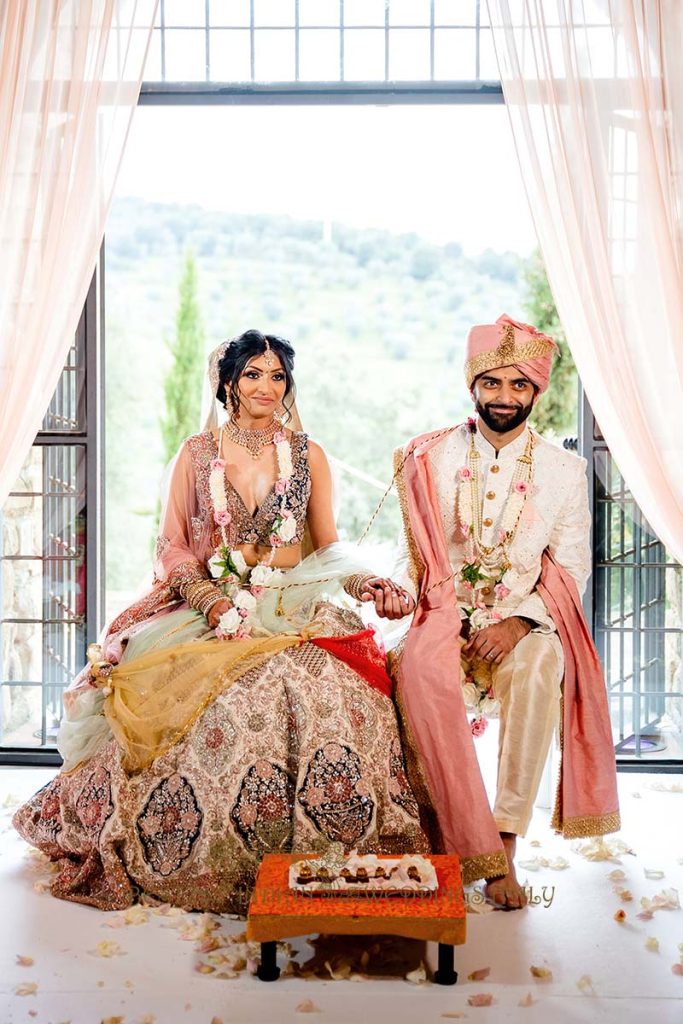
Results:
x,y
378,321
555,414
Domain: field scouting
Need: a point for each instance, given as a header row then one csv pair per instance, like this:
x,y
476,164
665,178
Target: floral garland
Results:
x,y
485,567
243,585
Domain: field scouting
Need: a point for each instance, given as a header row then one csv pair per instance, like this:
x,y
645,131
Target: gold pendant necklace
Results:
x,y
253,440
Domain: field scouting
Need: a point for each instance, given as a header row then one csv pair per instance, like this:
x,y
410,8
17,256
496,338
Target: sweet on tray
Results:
x,y
362,874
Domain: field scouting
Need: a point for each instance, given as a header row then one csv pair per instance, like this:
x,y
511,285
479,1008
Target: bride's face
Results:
x,y
262,386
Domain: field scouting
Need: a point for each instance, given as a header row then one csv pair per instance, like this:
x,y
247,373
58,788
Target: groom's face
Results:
x,y
503,398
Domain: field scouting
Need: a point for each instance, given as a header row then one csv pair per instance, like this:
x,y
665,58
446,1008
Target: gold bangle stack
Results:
x,y
353,585
202,595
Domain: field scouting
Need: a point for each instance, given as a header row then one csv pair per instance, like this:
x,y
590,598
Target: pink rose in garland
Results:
x,y
479,726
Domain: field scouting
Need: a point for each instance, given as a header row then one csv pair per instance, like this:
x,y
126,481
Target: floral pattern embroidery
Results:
x,y
94,804
215,739
169,825
262,814
336,796
399,788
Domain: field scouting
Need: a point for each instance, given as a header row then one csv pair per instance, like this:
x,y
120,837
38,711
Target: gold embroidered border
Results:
x,y
596,825
415,564
484,865
503,355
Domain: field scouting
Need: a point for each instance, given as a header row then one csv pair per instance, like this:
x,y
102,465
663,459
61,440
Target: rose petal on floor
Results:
x,y
24,961
27,988
600,848
107,948
543,973
480,975
625,895
653,873
620,916
480,999
665,787
678,969
617,875
527,1000
585,984
652,944
418,976
307,1006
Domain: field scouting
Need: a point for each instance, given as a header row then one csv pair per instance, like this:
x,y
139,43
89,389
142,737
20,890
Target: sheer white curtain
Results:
x,y
594,90
70,73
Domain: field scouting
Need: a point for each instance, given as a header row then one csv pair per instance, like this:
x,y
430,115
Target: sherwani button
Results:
x,y
488,522
490,495
494,469
486,591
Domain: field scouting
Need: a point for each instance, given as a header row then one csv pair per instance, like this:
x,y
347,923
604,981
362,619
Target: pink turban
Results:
x,y
509,343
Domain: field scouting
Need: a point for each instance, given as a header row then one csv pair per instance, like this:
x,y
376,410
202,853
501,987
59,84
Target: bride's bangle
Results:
x,y
353,585
202,596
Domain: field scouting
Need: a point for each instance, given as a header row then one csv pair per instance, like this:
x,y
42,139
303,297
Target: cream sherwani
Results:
x,y
556,515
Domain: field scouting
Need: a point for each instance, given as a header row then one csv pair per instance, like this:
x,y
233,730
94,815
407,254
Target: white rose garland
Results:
x,y
243,585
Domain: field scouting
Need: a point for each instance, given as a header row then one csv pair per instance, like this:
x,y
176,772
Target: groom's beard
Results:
x,y
501,417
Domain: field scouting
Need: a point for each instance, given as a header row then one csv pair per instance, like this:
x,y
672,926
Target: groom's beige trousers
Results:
x,y
527,683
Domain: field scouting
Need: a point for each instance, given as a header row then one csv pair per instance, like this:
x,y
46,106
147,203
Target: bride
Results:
x,y
238,708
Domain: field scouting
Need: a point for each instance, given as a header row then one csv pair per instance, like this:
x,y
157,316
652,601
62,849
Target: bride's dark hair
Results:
x,y
239,354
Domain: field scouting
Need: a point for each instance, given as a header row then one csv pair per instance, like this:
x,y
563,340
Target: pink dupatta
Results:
x,y
429,692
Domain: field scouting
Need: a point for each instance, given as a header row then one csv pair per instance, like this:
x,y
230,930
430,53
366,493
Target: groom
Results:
x,y
497,529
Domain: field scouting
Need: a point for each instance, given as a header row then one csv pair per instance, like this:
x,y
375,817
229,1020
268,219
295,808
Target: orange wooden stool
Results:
x,y
276,912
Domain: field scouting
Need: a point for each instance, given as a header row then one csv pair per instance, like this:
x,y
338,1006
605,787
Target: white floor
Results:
x,y
153,978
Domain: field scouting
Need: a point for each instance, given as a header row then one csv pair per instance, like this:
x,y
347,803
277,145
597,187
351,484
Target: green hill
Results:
x,y
378,321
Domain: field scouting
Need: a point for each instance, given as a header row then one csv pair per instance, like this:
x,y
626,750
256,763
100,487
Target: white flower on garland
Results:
x,y
237,559
471,696
216,565
230,622
244,599
287,528
264,575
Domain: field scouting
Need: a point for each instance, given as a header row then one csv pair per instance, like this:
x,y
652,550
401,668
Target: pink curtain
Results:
x,y
70,73
594,90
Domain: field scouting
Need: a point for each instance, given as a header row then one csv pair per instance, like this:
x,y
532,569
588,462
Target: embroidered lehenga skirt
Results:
x,y
298,752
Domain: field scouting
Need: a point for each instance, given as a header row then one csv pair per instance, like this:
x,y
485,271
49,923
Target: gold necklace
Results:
x,y
253,440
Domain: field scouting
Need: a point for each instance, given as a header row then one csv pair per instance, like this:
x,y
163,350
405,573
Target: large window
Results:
x,y
636,606
50,554
302,41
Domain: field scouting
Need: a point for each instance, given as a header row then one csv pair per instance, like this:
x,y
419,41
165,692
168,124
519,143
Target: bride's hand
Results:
x,y
391,601
218,609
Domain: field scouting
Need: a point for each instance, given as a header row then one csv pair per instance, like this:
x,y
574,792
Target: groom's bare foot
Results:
x,y
506,892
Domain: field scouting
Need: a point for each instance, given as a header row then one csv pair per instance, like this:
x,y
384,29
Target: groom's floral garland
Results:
x,y
485,567
243,585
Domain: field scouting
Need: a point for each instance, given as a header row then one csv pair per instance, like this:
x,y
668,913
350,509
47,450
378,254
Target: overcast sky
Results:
x,y
448,173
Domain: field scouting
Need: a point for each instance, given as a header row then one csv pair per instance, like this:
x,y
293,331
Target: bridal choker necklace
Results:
x,y
253,440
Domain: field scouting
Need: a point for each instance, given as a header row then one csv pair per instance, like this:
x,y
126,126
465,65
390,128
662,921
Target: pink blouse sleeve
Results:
x,y
177,559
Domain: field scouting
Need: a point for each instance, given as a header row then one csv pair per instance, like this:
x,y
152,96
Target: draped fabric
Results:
x,y
70,73
594,90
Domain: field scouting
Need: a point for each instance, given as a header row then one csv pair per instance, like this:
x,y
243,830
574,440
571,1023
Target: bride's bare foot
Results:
x,y
506,892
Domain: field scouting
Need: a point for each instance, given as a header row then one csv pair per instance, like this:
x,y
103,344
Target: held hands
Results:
x,y
391,601
492,643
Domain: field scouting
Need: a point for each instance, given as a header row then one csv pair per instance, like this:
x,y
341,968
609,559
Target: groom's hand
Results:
x,y
492,643
391,601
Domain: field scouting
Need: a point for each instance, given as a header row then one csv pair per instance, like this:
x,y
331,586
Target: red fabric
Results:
x,y
360,652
